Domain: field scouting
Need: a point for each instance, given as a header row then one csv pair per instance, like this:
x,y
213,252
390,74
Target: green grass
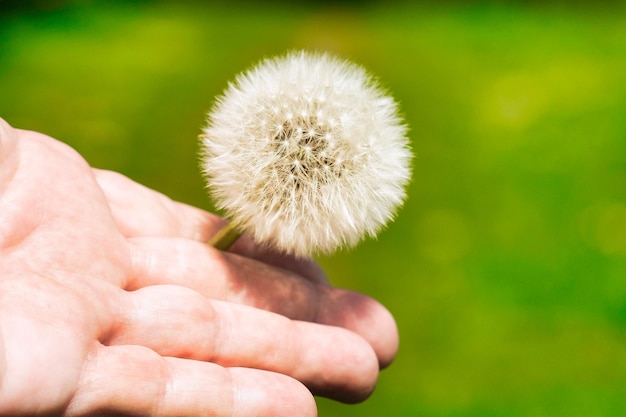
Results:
x,y
506,269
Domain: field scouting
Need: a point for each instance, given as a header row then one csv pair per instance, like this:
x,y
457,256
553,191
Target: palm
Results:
x,y
110,302
38,229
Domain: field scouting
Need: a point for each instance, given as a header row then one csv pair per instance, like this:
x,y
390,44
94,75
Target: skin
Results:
x,y
112,304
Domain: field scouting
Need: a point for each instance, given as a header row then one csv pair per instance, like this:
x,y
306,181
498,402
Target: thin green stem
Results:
x,y
225,237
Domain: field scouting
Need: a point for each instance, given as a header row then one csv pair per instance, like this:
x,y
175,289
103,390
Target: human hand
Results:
x,y
110,303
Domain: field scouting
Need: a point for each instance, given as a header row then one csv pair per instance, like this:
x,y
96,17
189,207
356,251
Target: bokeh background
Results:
x,y
506,269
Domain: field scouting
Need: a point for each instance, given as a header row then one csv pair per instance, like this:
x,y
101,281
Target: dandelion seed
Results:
x,y
333,161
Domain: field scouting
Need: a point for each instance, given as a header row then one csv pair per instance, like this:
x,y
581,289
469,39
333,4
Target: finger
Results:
x,y
175,321
140,211
233,278
221,276
134,380
8,158
362,315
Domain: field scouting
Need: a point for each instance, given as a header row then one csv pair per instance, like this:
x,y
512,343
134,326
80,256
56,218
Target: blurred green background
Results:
x,y
505,270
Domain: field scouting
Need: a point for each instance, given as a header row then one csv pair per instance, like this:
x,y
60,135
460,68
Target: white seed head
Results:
x,y
306,153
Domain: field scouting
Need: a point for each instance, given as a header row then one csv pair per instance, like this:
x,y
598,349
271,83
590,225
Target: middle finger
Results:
x,y
176,321
230,277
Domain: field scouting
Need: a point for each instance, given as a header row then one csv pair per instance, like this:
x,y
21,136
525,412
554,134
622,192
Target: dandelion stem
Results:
x,y
225,237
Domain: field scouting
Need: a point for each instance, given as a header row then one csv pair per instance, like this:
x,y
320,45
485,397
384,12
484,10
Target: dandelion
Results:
x,y
306,153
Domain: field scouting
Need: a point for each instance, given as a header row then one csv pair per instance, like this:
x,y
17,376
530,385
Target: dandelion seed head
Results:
x,y
306,153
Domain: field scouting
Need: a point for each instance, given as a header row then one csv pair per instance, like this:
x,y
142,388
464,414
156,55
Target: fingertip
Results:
x,y
7,138
8,159
364,316
387,343
335,363
266,393
4,127
362,372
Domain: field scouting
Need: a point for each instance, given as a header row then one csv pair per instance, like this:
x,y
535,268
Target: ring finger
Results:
x,y
176,321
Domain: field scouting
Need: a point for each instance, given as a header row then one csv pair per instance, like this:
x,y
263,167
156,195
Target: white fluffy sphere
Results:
x,y
306,153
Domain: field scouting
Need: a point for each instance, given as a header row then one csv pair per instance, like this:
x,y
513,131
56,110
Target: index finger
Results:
x,y
140,212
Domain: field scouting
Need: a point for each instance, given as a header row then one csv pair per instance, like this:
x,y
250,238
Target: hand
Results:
x,y
110,303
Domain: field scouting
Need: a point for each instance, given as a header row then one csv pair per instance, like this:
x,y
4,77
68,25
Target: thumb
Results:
x,y
8,154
